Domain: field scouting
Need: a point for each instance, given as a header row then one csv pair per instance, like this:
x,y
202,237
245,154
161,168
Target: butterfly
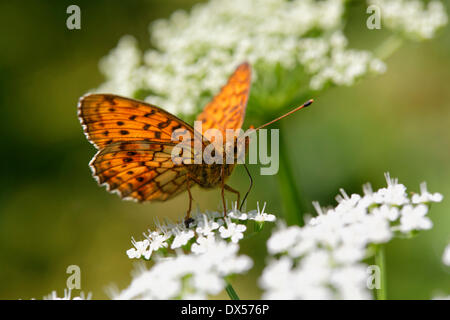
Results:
x,y
135,145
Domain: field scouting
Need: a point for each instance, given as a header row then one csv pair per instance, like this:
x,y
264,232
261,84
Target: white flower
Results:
x,y
121,68
208,282
158,240
412,17
187,276
232,230
446,256
206,227
261,216
196,263
442,297
283,239
349,253
385,211
140,249
196,238
425,196
324,258
235,214
67,296
276,280
393,194
345,66
225,259
414,218
351,282
377,229
345,202
182,236
195,52
305,243
203,244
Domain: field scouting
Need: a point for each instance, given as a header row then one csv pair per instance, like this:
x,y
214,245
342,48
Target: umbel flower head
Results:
x,y
412,18
446,256
324,259
192,262
168,238
68,296
294,46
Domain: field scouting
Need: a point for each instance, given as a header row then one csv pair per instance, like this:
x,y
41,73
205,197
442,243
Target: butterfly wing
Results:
x,y
135,143
107,118
227,109
139,170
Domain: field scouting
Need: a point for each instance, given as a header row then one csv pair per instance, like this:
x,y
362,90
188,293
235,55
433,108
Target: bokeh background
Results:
x,y
53,214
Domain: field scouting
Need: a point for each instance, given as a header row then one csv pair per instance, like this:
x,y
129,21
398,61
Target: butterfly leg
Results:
x,y
222,178
228,188
249,188
188,219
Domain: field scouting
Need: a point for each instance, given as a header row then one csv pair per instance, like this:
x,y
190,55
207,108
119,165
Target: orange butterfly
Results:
x,y
135,143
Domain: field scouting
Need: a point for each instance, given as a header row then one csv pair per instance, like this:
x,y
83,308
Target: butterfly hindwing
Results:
x,y
139,170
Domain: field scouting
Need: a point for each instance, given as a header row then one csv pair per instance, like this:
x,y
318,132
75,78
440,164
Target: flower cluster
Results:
x,y
192,262
413,18
202,229
120,67
287,43
68,296
323,259
446,256
446,262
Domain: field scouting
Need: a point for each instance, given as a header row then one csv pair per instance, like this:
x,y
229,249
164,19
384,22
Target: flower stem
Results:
x,y
388,47
294,206
230,290
381,263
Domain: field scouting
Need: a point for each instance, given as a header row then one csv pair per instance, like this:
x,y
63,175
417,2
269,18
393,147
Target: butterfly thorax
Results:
x,y
210,175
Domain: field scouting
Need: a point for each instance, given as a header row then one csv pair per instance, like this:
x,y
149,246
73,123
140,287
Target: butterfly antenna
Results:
x,y
306,104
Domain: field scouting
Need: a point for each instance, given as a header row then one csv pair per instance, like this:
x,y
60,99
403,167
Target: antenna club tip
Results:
x,y
308,103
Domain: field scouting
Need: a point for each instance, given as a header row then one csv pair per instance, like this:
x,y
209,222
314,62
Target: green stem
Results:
x,y
230,290
388,47
380,261
293,205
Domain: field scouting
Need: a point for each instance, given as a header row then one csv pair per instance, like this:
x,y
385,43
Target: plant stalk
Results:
x,y
294,206
380,261
388,47
231,292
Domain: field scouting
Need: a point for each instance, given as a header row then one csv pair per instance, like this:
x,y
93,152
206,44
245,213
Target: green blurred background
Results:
x,y
53,214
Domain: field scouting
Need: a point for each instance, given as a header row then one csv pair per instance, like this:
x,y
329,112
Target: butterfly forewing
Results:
x,y
108,118
227,109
